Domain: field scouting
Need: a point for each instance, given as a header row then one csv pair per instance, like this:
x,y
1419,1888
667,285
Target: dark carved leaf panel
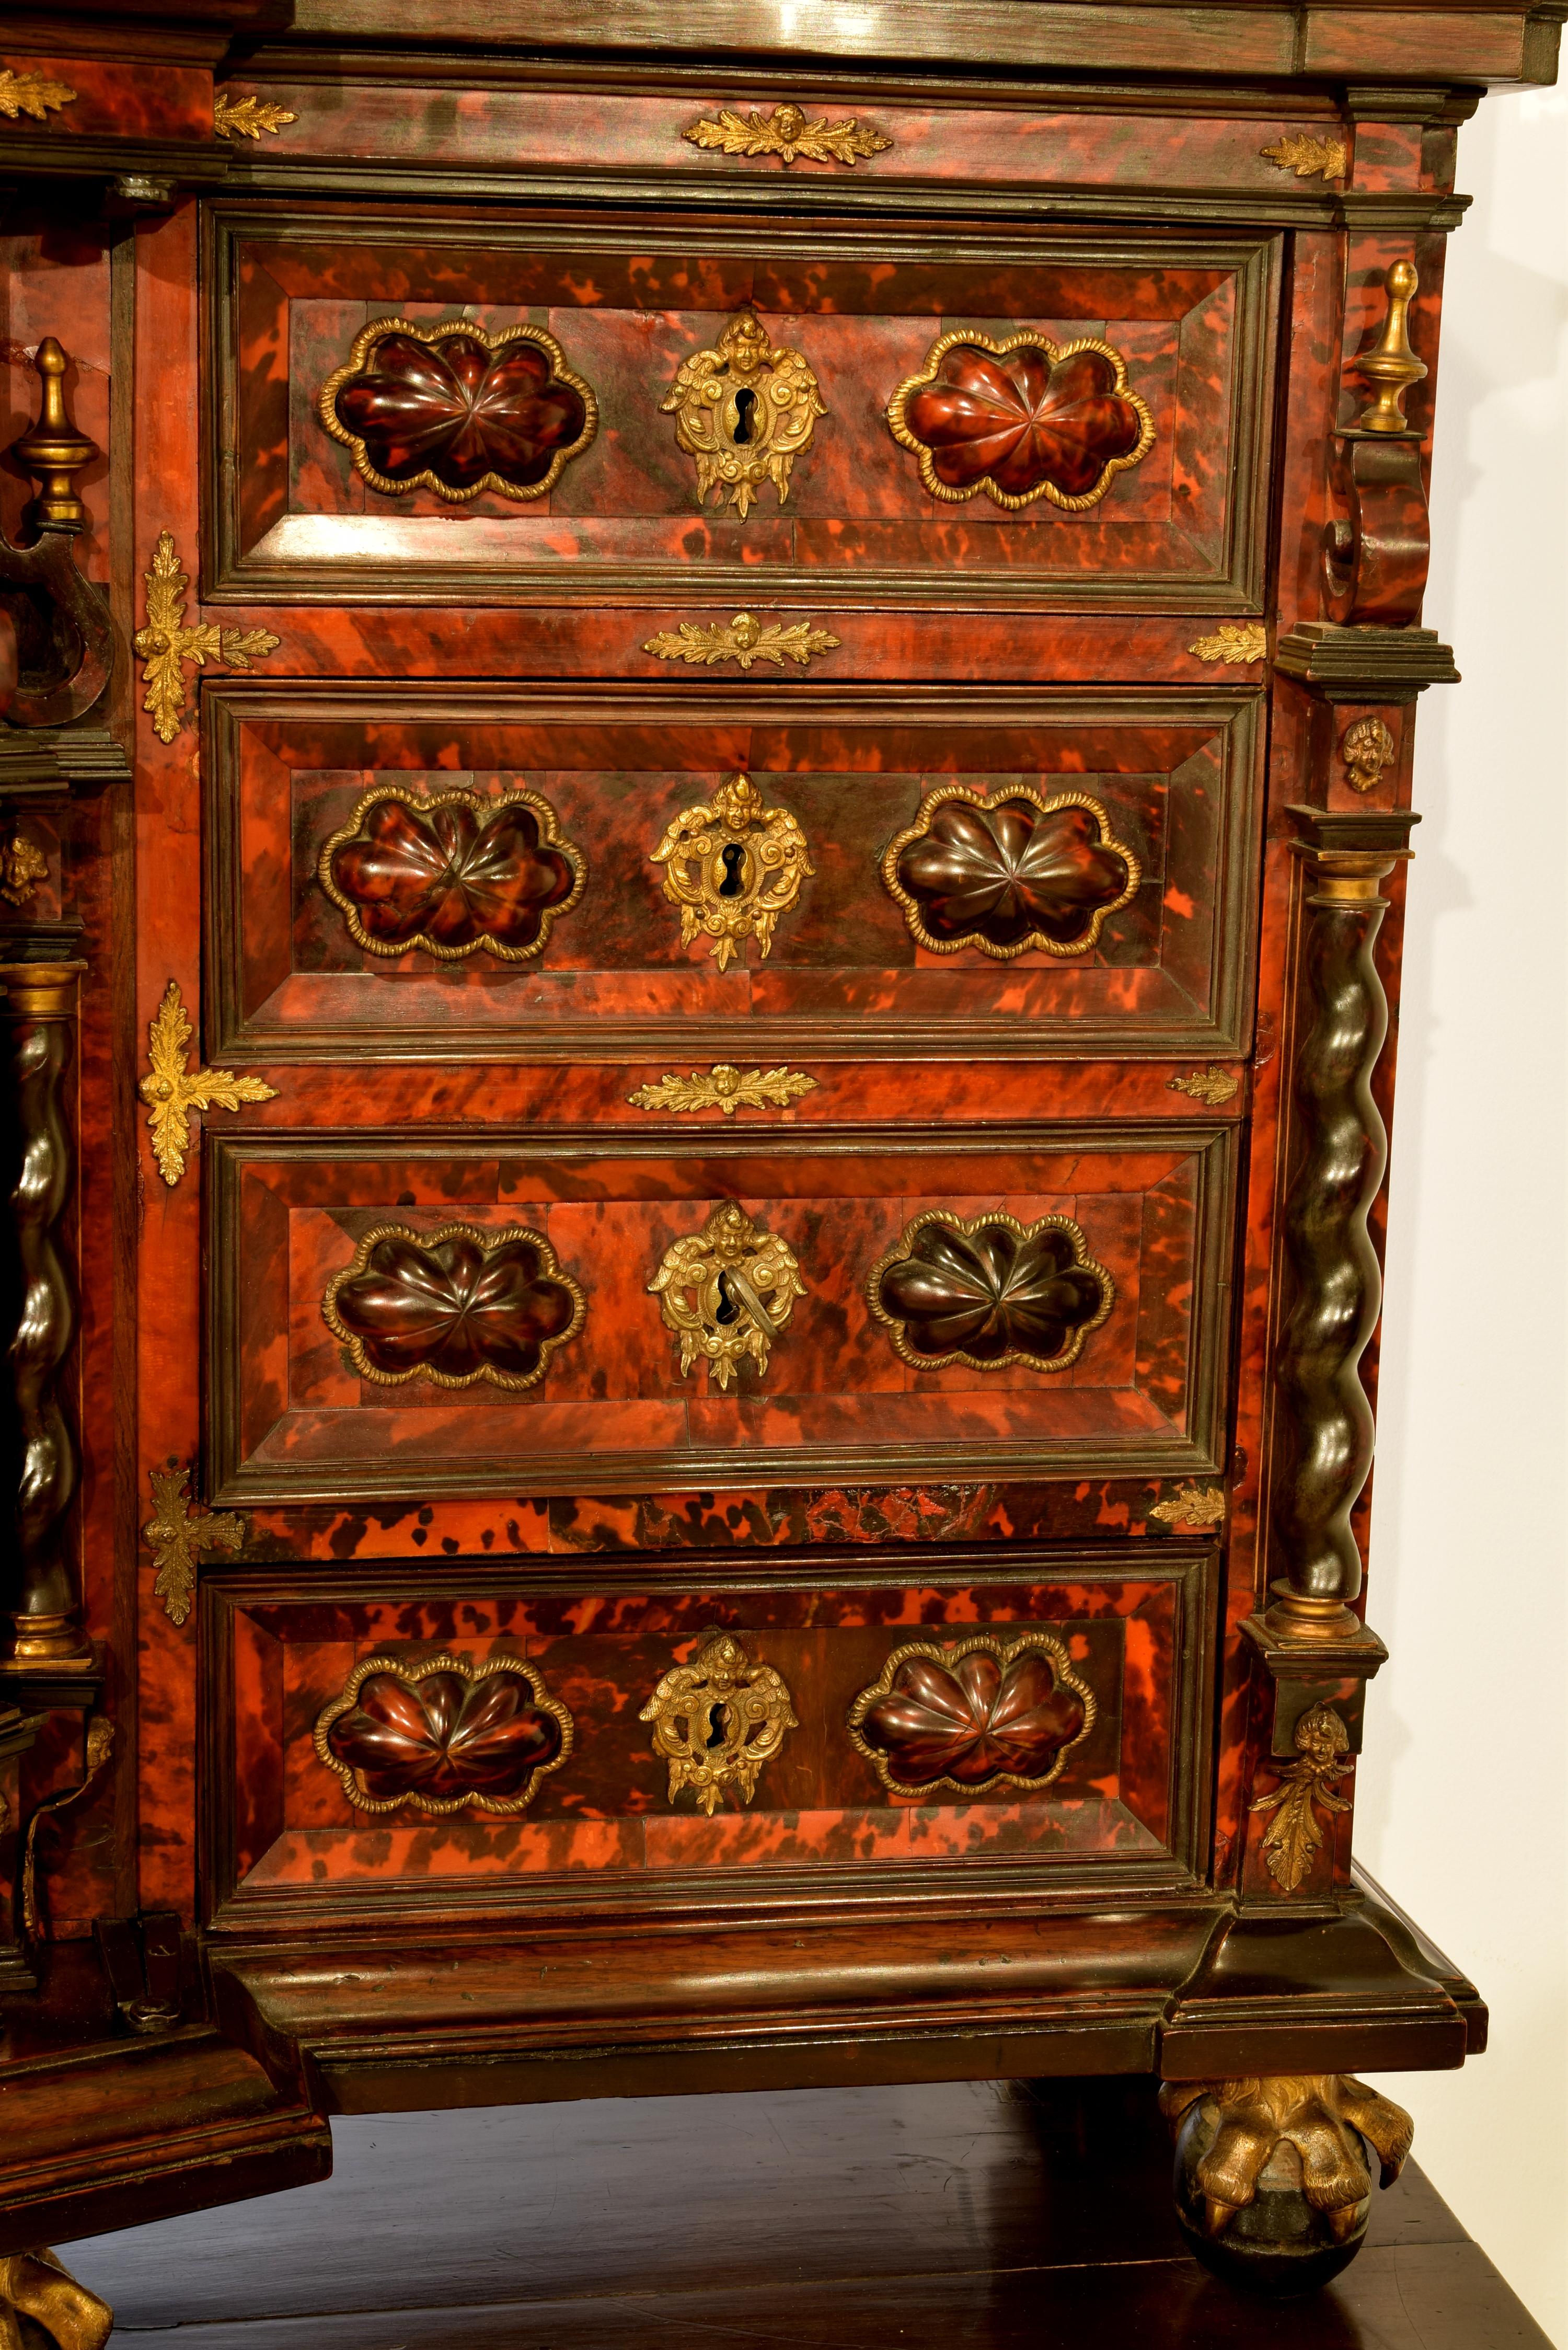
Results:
x,y
452,874
1021,419
458,410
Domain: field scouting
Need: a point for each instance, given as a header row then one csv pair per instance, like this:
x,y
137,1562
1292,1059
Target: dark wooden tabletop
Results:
x,y
970,2217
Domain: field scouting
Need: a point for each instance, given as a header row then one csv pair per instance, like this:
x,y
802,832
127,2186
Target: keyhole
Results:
x,y
727,1310
744,403
732,857
717,1733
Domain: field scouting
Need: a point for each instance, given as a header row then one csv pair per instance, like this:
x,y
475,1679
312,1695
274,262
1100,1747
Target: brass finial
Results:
x,y
54,452
1393,367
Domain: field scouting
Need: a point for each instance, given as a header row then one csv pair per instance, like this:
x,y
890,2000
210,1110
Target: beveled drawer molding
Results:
x,y
1178,372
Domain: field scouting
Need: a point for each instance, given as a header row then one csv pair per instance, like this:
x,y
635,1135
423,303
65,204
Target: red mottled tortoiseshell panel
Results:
x,y
1137,937
1187,317
1122,1715
294,1418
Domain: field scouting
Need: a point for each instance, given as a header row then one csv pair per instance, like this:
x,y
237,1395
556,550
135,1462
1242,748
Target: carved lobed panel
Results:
x,y
522,874
559,1313
555,409
467,1738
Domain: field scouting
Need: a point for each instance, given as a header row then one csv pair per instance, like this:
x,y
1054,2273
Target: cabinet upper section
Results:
x,y
506,410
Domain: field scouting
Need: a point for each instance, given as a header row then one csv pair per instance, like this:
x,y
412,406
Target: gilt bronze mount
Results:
x,y
732,867
788,133
717,1721
728,1292
175,1093
744,409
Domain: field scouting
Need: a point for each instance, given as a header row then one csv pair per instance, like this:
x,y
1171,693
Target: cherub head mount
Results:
x,y
745,411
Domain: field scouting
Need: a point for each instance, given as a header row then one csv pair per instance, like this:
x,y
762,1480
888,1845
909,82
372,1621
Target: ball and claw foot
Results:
x,y
1272,2184
38,2296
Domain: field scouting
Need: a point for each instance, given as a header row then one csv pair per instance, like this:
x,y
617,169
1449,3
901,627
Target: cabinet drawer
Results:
x,y
479,1740
454,1314
1092,426
334,928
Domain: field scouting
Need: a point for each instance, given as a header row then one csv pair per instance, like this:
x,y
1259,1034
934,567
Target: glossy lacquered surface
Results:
x,y
1029,2218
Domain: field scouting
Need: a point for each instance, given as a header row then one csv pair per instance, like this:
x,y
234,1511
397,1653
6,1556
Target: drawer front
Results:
x,y
590,925
1058,414
485,1745
440,1312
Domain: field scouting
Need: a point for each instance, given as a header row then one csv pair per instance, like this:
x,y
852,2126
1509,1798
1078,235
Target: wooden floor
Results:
x,y
958,2217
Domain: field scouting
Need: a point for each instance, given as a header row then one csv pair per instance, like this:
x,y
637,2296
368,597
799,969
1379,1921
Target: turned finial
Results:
x,y
1393,367
54,452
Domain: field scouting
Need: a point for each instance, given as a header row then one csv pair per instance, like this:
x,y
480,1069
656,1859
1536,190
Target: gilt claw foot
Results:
x,y
1272,2184
37,2293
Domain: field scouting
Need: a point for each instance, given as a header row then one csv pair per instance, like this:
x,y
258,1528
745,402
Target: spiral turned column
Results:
x,y
38,1012
1325,1429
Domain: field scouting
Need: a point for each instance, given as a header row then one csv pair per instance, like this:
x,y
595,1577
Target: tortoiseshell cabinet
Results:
x,y
704,795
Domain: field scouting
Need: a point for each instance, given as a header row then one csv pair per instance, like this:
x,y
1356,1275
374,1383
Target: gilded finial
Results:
x,y
1393,367
53,450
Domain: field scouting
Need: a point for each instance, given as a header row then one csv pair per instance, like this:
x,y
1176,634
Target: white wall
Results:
x,y
1462,1803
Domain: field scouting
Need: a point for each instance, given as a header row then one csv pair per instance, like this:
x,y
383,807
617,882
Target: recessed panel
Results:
x,y
586,422
446,1313
495,1744
524,876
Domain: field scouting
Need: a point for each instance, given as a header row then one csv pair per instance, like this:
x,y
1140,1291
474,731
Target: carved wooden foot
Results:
x,y
1272,2188
33,2286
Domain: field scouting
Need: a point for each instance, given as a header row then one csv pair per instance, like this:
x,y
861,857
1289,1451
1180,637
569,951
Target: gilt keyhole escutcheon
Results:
x,y
728,1292
733,866
717,1721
